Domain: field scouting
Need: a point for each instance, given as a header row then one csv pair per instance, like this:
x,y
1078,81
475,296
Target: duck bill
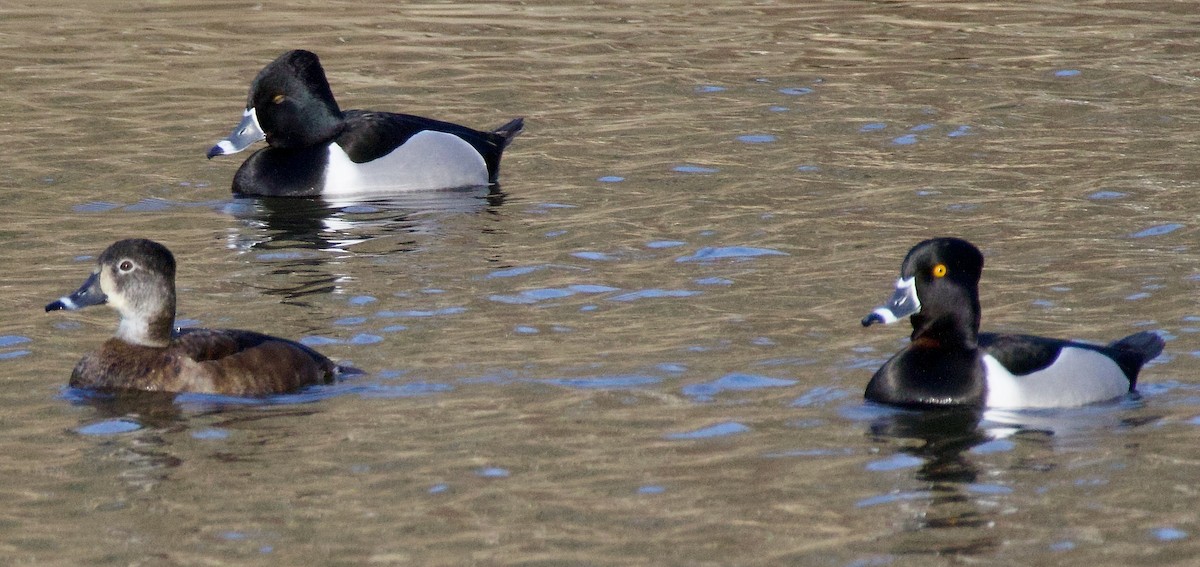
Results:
x,y
247,132
87,295
903,303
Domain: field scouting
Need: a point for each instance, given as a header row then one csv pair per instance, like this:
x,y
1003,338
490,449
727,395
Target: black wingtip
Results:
x,y
871,319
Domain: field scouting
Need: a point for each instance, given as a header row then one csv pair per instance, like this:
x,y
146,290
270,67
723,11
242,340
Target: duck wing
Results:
x,y
368,135
246,363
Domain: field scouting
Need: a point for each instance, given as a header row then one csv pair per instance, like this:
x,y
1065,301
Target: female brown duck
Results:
x,y
137,278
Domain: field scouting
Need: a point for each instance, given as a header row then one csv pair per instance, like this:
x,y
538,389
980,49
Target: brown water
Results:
x,y
645,350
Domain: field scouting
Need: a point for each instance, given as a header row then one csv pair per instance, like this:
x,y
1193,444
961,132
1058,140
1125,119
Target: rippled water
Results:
x,y
644,347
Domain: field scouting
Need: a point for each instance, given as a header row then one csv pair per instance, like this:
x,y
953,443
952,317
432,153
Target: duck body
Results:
x,y
316,149
136,277
950,363
207,361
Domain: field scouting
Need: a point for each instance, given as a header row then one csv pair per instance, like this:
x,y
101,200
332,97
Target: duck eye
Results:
x,y
939,271
279,99
126,266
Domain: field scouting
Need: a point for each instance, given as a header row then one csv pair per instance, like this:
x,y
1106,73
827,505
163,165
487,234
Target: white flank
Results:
x,y
1078,376
428,160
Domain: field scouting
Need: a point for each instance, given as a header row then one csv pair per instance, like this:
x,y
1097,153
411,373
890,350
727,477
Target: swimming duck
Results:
x,y
137,278
316,149
950,363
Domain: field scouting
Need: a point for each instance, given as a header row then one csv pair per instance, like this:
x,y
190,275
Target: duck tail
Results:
x,y
1134,351
509,131
1147,344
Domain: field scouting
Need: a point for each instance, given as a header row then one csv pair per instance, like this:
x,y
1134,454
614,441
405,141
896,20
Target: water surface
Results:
x,y
643,348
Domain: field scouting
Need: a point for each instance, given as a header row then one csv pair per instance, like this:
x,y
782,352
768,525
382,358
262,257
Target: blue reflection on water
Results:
x,y
688,168
733,383
795,91
517,271
410,390
592,255
893,497
1168,534
993,489
532,296
718,430
819,396
1158,230
422,313
13,340
210,433
493,472
654,294
109,427
960,132
993,446
95,207
895,462
545,294
713,253
756,139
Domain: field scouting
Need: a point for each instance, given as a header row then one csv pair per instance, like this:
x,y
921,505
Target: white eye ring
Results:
x,y
126,266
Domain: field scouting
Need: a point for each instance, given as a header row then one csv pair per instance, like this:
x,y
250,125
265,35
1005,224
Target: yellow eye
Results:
x,y
278,99
939,270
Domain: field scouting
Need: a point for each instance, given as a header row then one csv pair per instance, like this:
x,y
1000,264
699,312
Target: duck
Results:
x,y
950,363
315,149
137,278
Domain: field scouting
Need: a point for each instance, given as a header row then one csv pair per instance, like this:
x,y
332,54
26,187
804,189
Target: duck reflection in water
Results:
x,y
327,224
944,516
959,496
135,432
944,435
293,234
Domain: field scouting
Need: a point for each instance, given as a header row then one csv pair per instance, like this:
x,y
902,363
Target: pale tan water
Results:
x,y
563,373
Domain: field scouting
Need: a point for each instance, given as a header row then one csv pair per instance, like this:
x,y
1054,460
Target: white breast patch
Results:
x,y
428,160
1078,376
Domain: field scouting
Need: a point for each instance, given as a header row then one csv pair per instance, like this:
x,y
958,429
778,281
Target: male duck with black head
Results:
x,y
316,149
950,363
137,278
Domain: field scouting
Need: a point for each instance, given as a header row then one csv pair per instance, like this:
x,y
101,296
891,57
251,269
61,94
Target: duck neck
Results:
x,y
946,330
149,330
